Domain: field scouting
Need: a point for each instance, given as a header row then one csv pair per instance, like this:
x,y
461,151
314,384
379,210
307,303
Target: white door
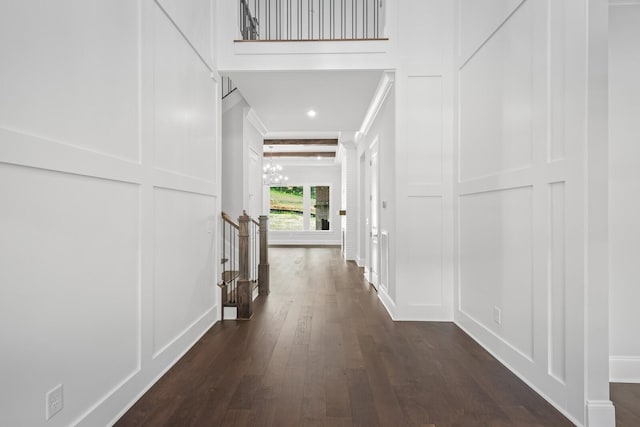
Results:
x,y
374,259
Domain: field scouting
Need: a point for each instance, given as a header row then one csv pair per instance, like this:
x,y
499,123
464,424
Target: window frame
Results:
x,y
306,207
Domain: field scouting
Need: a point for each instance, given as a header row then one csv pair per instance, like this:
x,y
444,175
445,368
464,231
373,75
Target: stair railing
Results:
x,y
245,262
229,261
228,87
263,265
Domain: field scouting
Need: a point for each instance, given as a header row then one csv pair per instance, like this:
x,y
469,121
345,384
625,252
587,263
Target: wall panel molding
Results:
x,y
37,152
77,158
492,25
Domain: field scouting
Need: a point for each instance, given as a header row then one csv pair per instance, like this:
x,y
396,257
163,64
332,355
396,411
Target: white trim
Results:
x,y
308,242
181,335
423,313
303,135
230,313
624,369
252,117
309,48
624,2
154,380
524,379
231,100
340,153
386,81
600,413
184,36
387,302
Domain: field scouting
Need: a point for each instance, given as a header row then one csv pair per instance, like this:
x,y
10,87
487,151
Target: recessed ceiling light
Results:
x,y
311,113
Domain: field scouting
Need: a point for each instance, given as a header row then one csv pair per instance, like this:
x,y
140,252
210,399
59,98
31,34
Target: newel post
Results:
x,y
263,267
245,309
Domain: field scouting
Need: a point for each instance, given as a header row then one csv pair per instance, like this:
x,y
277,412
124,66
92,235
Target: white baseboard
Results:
x,y
387,302
102,410
624,369
230,313
423,313
520,375
600,413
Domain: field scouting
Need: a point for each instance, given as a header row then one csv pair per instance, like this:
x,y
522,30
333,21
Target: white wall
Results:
x,y
253,137
242,142
424,235
530,209
233,170
350,198
310,172
109,175
624,186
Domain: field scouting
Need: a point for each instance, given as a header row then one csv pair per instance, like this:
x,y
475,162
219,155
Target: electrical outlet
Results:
x,y
55,401
497,315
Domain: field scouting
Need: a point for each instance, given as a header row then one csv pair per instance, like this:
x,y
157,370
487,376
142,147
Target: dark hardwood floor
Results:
x,y
322,351
626,399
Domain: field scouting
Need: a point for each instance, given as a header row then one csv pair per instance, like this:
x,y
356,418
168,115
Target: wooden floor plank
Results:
x,y
321,350
626,398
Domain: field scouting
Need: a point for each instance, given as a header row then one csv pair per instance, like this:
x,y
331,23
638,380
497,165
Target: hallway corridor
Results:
x,y
322,350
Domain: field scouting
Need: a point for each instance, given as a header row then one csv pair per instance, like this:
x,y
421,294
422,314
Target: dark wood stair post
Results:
x,y
245,297
263,267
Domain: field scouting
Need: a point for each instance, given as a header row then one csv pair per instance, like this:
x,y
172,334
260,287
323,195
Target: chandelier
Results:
x,y
272,174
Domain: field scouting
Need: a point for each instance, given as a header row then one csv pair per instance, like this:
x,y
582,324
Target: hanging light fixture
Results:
x,y
272,174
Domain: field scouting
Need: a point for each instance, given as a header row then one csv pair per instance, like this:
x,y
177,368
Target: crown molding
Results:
x,y
386,82
253,118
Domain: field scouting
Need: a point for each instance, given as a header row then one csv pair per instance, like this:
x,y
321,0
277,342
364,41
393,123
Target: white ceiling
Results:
x,y
281,99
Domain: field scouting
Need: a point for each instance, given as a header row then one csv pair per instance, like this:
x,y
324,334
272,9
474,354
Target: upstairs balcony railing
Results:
x,y
313,20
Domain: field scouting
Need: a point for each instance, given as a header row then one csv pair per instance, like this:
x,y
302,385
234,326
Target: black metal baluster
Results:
x,y
332,11
289,19
378,5
269,20
364,18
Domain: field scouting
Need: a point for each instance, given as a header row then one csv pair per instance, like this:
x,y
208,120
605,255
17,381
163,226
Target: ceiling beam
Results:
x,y
301,141
301,154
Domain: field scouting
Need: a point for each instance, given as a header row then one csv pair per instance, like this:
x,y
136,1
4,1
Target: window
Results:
x,y
286,208
320,207
300,208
